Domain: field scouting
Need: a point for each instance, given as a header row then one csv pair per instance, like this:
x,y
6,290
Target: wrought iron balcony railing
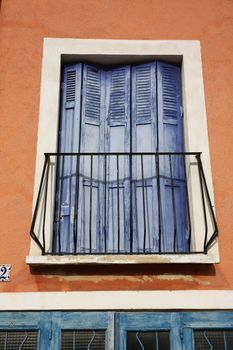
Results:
x,y
123,203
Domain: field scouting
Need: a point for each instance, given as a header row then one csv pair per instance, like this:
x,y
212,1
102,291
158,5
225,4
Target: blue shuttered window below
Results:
x,y
116,330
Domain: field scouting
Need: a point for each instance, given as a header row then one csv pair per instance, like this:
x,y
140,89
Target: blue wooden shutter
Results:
x,y
172,176
66,171
99,102
117,139
144,139
89,233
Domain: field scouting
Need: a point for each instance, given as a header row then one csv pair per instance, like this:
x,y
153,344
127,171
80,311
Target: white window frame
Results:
x,y
186,52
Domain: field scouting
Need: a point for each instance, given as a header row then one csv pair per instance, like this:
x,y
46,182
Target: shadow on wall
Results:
x,y
126,270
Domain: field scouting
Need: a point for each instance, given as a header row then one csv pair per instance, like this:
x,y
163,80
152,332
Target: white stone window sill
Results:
x,y
122,259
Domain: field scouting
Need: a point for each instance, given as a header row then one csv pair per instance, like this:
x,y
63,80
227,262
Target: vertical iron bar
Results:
x,y
173,204
90,215
130,162
187,205
159,199
157,340
75,227
131,204
74,341
225,341
45,201
118,204
203,200
91,341
23,341
144,206
207,340
69,189
105,202
5,341
60,203
139,340
99,203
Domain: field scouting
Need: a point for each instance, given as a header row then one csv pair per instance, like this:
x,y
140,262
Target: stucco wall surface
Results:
x,y
24,24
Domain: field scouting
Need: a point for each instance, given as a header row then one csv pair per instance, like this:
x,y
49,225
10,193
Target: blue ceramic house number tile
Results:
x,y
5,270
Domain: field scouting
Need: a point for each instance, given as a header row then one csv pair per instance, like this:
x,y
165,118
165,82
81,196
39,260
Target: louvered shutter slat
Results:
x,y
92,93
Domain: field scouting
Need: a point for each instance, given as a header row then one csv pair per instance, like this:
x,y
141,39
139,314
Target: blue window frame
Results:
x,y
122,330
145,322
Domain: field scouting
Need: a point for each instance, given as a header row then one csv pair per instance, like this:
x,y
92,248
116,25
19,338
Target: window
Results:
x,y
24,330
144,330
204,230
18,340
83,330
148,340
91,339
117,330
215,339
116,201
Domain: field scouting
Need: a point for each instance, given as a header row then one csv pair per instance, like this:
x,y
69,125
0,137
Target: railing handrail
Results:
x,y
121,153
206,198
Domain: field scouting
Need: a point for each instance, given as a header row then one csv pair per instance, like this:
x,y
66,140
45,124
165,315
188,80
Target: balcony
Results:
x,y
123,204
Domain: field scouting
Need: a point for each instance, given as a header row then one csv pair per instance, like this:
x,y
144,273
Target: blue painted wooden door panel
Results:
x,y
131,108
89,224
144,139
117,139
69,141
172,174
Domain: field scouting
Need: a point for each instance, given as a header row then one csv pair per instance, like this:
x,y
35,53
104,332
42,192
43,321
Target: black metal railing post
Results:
x,y
187,204
198,157
215,233
32,233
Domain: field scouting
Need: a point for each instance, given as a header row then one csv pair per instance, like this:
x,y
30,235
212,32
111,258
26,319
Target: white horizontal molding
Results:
x,y
124,47
121,259
119,300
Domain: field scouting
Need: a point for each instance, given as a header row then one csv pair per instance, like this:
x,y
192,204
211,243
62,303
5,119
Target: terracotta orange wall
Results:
x,y
24,24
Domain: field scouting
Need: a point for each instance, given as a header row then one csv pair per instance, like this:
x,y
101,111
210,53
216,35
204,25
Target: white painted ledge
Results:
x,y
122,259
119,300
